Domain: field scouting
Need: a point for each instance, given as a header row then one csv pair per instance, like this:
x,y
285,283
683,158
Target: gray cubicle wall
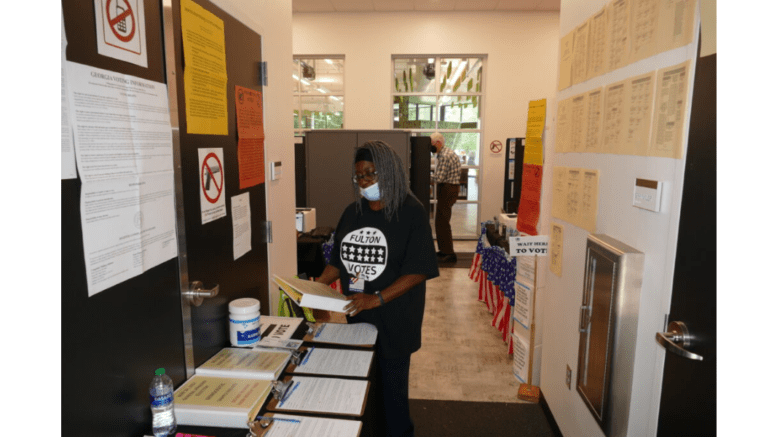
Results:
x,y
329,161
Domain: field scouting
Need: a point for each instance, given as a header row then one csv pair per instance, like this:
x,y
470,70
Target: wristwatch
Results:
x,y
380,296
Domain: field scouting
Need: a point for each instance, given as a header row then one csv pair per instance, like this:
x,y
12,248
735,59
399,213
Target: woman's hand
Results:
x,y
361,302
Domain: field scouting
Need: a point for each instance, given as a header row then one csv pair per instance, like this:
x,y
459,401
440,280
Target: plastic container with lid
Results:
x,y
244,322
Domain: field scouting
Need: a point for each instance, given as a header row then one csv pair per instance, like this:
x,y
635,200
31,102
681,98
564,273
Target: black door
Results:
x,y
688,395
114,340
209,246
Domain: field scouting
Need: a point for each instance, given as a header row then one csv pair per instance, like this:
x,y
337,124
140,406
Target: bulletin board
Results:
x,y
112,341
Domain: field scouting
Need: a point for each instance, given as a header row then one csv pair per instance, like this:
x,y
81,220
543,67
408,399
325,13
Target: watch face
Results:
x,y
364,253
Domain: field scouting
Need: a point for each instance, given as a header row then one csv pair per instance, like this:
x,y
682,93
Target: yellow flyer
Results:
x,y
536,121
205,71
532,154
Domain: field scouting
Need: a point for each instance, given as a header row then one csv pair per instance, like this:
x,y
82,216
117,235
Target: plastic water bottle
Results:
x,y
162,415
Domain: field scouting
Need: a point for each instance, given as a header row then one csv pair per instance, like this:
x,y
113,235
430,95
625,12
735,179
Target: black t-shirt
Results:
x,y
371,253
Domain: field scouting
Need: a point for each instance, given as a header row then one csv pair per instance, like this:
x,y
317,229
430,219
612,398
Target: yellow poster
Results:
x,y
532,154
536,121
205,70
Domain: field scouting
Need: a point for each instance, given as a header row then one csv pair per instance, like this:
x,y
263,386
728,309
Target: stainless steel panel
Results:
x,y
608,329
172,99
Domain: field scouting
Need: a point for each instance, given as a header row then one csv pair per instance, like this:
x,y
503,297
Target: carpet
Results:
x,y
464,261
469,419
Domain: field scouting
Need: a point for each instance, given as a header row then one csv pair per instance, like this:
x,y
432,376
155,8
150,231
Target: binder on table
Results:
x,y
285,425
331,362
337,397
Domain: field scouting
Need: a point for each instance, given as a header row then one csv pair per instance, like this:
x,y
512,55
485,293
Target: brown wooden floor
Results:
x,y
462,356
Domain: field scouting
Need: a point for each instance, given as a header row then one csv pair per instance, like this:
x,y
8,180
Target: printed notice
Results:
x,y
205,72
579,117
128,226
614,123
594,122
619,17
121,124
556,248
336,362
352,334
527,268
325,395
212,204
576,196
68,158
241,225
563,126
520,358
529,246
121,30
640,91
565,61
250,133
670,111
644,28
535,123
580,54
124,146
523,303
675,23
529,206
286,425
598,44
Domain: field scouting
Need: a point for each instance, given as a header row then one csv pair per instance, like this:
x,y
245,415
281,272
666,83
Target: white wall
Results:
x,y
655,234
272,20
521,49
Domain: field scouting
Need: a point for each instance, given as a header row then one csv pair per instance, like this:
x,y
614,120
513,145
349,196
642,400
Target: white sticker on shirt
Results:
x,y
357,285
364,253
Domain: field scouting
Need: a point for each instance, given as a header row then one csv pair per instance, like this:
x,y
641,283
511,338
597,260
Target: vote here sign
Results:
x,y
529,246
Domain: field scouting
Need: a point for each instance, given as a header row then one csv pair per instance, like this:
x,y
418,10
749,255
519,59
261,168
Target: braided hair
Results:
x,y
392,177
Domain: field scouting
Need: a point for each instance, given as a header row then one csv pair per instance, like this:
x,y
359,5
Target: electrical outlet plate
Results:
x,y
569,377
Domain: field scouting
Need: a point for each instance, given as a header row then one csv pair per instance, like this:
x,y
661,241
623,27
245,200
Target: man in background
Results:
x,y
447,174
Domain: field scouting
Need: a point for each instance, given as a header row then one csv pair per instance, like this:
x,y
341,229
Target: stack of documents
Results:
x,y
324,395
335,362
285,425
356,334
245,363
224,402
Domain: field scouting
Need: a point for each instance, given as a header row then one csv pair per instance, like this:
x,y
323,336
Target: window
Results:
x,y
319,94
445,94
441,94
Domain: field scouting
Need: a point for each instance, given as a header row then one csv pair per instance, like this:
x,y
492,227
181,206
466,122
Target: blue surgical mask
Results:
x,y
371,193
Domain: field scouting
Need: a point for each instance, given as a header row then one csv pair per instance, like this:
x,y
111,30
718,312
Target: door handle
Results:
x,y
197,293
677,339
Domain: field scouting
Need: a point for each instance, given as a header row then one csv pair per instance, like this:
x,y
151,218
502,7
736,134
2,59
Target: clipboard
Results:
x,y
311,337
291,368
259,428
272,405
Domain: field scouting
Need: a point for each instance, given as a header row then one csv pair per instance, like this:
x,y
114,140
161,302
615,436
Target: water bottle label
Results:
x,y
162,400
248,337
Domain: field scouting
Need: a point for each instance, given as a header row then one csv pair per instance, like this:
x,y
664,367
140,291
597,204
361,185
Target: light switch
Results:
x,y
275,170
647,194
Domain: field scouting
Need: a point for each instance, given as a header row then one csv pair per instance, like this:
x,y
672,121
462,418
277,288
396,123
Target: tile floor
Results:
x,y
462,356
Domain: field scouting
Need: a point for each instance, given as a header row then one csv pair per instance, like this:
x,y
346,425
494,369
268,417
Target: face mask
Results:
x,y
371,193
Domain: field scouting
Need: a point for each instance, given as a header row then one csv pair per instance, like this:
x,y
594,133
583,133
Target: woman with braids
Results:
x,y
383,255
